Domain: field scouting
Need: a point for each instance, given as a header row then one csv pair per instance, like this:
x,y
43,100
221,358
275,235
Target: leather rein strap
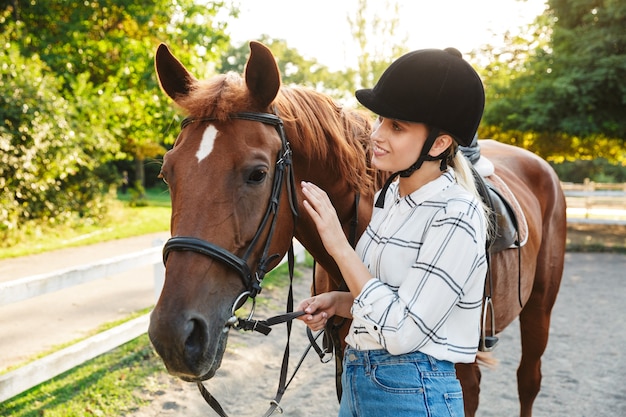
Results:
x,y
252,282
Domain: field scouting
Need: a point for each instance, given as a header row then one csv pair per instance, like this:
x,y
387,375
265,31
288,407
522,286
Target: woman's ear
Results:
x,y
442,143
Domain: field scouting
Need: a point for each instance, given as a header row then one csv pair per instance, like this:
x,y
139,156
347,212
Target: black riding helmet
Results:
x,y
431,86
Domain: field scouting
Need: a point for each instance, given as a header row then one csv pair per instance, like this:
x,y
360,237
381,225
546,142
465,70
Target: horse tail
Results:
x,y
487,359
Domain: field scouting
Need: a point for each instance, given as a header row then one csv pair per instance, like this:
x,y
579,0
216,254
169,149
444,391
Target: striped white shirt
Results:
x,y
426,254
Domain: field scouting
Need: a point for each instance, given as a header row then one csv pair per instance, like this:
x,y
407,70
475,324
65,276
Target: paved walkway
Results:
x,y
32,326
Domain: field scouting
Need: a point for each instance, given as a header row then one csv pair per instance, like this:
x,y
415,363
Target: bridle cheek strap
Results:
x,y
240,264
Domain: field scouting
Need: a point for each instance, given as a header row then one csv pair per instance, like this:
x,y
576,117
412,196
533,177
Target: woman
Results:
x,y
417,276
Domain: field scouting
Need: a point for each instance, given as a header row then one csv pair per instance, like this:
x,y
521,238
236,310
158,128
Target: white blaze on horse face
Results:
x,y
206,144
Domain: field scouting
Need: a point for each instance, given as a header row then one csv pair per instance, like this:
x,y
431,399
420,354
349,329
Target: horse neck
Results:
x,y
344,199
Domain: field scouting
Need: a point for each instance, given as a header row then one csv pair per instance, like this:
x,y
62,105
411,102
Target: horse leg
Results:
x,y
534,334
469,375
534,328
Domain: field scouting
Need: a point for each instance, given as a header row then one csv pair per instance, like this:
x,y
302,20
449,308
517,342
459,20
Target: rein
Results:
x,y
252,281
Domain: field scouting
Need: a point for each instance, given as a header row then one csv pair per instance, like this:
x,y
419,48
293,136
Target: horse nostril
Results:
x,y
196,342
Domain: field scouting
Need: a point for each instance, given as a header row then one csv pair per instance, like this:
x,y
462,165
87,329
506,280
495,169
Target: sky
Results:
x,y
319,28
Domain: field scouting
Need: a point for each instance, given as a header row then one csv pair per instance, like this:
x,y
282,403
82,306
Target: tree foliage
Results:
x,y
376,40
559,89
78,91
294,68
49,165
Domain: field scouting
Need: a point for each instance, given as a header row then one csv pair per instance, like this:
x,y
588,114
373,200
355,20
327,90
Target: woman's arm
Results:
x,y
321,210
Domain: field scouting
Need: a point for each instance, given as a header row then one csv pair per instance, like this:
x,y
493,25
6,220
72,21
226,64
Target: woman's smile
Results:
x,y
378,151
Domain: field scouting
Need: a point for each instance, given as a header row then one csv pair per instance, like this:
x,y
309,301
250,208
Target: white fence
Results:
x,y
594,202
41,370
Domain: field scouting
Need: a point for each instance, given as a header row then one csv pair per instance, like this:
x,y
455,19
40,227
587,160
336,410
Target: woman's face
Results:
x,y
397,144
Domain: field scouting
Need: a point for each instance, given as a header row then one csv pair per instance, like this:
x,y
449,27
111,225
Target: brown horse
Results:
x,y
234,206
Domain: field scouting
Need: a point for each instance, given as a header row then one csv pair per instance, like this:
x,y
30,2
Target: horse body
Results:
x,y
220,174
525,283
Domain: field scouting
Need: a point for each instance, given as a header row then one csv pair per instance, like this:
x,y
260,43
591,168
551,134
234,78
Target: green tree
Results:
x,y
294,68
377,40
49,166
78,90
589,59
113,41
559,90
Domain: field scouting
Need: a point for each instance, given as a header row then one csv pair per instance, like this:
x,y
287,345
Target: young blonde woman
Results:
x,y
416,278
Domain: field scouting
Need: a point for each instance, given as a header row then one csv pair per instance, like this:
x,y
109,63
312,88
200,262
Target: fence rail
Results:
x,y
41,370
591,186
593,202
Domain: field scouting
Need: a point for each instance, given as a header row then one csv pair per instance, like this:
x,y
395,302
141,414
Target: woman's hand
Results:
x,y
318,310
321,210
324,215
322,307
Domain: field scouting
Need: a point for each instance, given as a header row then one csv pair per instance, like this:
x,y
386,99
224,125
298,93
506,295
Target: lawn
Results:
x,y
127,216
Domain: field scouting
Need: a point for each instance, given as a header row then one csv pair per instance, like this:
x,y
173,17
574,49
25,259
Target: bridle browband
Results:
x,y
251,277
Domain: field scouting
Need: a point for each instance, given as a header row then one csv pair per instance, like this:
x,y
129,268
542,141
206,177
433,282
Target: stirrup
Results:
x,y
488,342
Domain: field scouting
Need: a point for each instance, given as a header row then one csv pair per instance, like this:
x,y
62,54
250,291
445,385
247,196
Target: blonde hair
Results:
x,y
465,178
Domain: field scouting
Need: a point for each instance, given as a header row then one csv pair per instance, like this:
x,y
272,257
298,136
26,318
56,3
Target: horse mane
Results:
x,y
316,126
323,130
217,97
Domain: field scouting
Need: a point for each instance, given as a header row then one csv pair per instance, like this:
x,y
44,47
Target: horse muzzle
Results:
x,y
191,348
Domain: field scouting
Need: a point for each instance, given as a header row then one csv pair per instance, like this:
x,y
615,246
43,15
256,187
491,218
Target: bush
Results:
x,y
51,153
597,170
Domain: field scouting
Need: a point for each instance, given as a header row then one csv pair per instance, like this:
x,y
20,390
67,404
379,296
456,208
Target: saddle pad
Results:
x,y
505,191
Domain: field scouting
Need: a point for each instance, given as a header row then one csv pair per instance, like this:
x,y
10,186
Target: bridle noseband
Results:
x,y
252,281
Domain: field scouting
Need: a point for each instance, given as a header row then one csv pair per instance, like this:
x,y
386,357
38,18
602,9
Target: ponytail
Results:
x,y
465,178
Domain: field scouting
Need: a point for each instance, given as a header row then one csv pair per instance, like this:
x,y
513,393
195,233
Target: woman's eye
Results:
x,y
257,176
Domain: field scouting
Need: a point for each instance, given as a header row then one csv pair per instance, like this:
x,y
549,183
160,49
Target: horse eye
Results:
x,y
257,176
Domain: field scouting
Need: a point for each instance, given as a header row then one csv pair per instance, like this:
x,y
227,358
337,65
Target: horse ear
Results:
x,y
174,78
262,76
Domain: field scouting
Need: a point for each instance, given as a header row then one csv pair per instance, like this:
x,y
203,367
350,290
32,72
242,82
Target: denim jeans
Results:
x,y
378,384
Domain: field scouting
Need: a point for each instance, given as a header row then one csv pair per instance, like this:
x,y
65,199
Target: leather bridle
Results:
x,y
252,277
252,281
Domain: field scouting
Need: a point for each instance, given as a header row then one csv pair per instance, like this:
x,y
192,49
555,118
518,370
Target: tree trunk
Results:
x,y
140,176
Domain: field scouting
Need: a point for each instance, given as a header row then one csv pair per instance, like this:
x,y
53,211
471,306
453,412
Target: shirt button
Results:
x,y
375,327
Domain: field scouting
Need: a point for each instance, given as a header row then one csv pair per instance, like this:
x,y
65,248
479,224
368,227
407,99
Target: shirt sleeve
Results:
x,y
405,318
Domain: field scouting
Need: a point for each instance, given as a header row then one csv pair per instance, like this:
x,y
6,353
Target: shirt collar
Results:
x,y
424,193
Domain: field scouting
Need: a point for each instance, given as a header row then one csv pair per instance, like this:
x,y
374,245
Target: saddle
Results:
x,y
510,229
504,218
508,220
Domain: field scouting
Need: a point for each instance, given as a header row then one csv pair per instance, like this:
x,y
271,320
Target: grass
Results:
x,y
122,220
108,385
590,237
104,386
101,328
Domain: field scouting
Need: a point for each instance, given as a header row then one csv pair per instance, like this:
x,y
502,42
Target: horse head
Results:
x,y
226,173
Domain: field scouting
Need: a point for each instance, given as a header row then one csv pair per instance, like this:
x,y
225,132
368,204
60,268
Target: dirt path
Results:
x,y
249,375
35,325
582,366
